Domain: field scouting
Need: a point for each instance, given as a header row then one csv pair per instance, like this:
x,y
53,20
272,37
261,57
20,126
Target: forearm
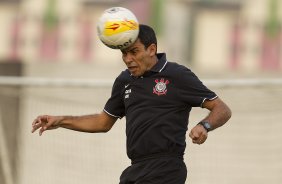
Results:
x,y
219,114
218,118
86,123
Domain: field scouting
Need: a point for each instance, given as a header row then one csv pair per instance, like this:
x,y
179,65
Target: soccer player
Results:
x,y
155,96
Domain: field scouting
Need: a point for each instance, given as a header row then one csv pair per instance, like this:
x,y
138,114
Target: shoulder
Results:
x,y
178,69
183,74
122,79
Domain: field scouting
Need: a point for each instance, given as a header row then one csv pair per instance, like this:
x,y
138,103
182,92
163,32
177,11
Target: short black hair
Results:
x,y
147,35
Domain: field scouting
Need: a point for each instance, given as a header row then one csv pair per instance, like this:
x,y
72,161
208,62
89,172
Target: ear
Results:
x,y
152,50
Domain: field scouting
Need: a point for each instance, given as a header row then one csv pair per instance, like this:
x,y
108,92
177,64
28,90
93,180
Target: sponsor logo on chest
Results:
x,y
160,87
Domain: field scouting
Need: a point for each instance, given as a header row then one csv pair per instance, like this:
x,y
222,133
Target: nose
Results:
x,y
127,58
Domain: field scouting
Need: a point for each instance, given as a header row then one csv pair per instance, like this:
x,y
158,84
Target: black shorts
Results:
x,y
165,170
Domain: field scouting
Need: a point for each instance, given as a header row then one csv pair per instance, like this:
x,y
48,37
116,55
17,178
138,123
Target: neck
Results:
x,y
153,62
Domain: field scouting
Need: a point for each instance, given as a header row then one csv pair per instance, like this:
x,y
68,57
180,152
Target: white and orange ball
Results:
x,y
118,28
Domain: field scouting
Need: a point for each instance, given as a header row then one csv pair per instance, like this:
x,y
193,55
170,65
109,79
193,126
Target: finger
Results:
x,y
36,124
203,136
37,121
197,137
40,121
42,129
194,135
200,140
191,135
34,128
197,141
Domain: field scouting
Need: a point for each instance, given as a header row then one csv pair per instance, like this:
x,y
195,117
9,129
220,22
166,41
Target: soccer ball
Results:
x,y
118,28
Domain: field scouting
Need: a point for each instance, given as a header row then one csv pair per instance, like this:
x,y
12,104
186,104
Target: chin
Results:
x,y
136,74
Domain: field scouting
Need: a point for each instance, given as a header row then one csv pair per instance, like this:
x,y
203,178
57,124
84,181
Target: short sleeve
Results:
x,y
191,90
115,106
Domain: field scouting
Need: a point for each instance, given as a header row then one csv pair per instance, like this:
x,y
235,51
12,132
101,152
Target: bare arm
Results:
x,y
95,123
219,114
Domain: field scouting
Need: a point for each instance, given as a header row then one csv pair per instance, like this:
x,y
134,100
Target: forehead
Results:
x,y
136,44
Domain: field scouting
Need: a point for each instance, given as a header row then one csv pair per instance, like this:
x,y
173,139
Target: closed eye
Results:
x,y
132,51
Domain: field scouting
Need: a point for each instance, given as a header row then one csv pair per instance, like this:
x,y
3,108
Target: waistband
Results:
x,y
157,155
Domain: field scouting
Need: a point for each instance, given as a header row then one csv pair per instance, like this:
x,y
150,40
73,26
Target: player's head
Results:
x,y
147,35
141,55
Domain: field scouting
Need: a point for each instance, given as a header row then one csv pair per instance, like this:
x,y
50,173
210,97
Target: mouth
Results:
x,y
132,68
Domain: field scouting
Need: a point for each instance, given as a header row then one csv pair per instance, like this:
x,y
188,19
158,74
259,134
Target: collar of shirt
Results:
x,y
161,63
157,68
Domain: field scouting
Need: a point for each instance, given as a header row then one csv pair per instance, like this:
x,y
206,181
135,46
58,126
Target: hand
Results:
x,y
198,134
45,122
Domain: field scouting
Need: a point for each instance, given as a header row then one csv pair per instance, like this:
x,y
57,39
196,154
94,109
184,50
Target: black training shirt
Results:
x,y
157,106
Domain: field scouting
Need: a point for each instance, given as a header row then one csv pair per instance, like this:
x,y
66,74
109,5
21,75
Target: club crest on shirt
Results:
x,y
160,87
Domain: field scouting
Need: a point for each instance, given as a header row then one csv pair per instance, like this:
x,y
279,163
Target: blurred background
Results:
x,y
52,62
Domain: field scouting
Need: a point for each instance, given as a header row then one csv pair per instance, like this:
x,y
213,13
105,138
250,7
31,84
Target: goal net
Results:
x,y
247,150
